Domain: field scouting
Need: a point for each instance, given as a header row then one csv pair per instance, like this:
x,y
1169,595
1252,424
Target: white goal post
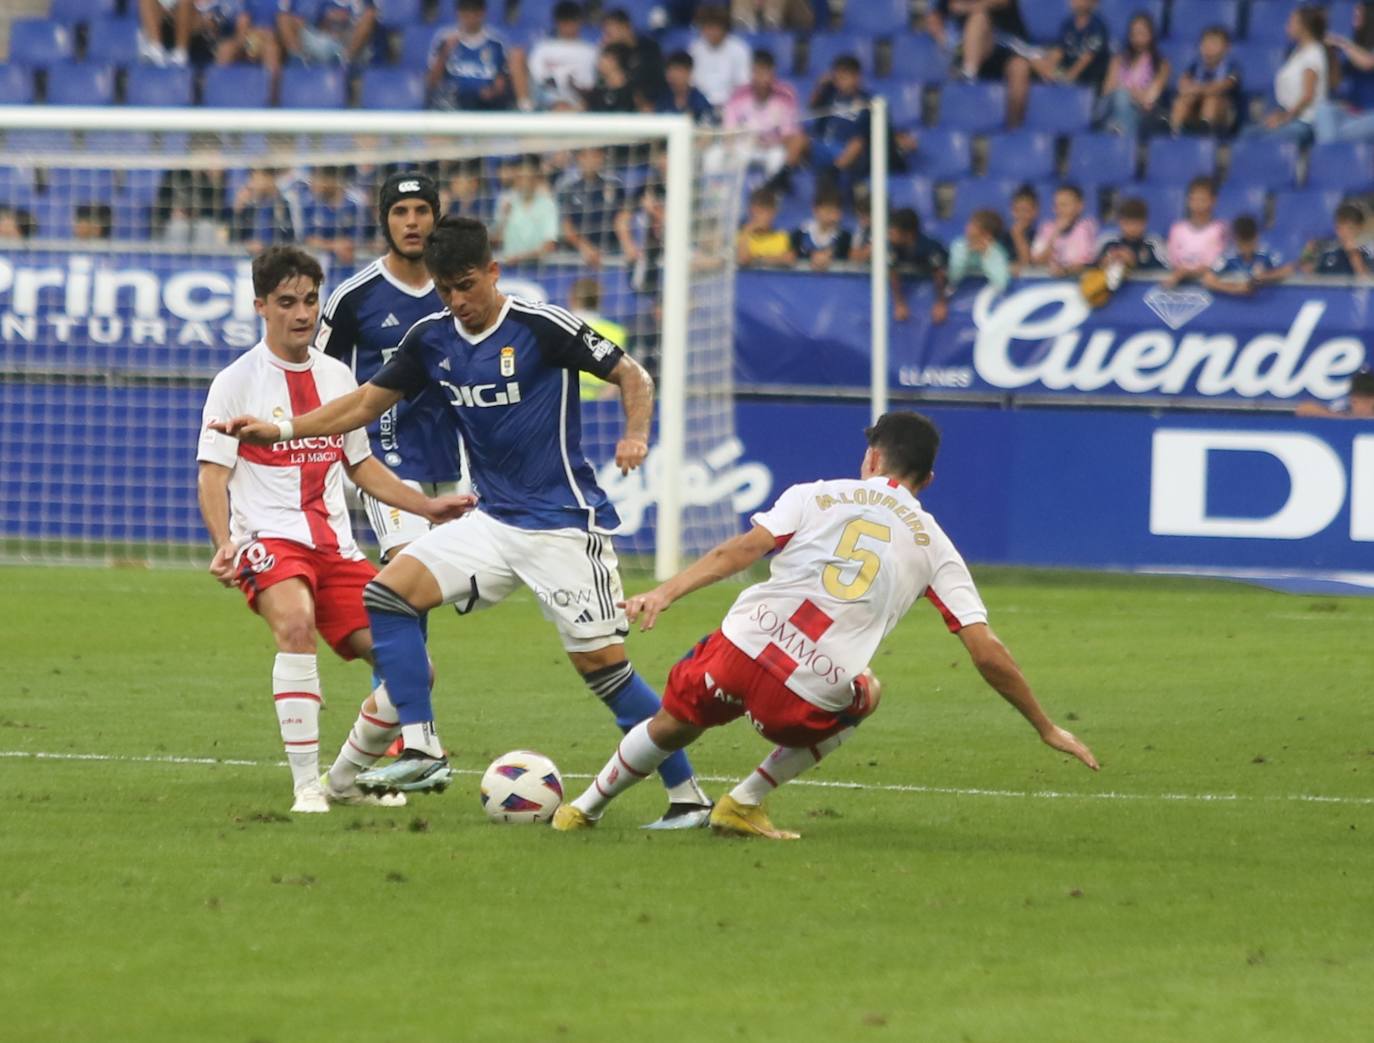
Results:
x,y
690,188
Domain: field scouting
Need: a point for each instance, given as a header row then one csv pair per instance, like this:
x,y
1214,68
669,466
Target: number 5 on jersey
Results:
x,y
832,577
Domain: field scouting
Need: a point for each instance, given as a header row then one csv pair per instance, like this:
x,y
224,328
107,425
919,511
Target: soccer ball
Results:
x,y
521,786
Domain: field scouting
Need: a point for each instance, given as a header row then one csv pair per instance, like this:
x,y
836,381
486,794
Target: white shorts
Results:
x,y
394,527
478,560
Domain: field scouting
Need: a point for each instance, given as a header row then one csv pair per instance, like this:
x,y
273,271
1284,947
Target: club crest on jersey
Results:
x,y
507,361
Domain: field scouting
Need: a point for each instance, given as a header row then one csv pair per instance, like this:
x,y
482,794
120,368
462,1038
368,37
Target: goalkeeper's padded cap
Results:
x,y
405,184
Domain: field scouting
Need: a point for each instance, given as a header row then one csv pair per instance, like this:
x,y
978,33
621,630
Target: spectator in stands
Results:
x,y
1197,241
247,42
613,91
15,223
328,31
1358,404
983,31
460,191
644,62
761,241
191,209
1344,255
1208,98
92,221
861,242
469,67
977,254
526,216
1080,53
768,107
1066,244
1025,213
1351,117
333,218
721,58
768,15
1302,82
262,215
911,252
584,301
560,67
681,98
1131,246
824,239
838,149
1247,265
1136,78
590,201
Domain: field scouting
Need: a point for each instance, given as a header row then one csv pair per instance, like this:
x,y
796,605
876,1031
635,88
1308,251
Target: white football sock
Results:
x,y
371,735
634,760
783,765
422,737
296,692
687,792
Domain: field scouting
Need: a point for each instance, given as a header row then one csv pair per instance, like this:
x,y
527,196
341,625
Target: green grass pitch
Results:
x,y
1215,882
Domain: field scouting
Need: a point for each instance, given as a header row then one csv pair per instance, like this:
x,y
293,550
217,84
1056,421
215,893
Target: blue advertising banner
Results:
x,y
1283,344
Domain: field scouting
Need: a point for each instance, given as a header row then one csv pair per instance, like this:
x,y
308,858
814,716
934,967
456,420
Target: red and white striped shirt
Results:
x,y
854,557
288,490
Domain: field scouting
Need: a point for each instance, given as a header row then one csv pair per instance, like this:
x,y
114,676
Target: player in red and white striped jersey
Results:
x,y
277,516
792,654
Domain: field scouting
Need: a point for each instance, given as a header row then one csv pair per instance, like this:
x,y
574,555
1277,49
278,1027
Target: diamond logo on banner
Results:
x,y
1178,307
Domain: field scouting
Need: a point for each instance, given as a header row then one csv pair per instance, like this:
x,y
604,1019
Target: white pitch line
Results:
x,y
943,791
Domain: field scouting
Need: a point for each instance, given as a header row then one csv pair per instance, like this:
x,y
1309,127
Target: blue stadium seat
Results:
x,y
132,219
313,87
1268,20
1287,243
1179,160
80,185
974,107
1258,63
1059,109
1021,153
1340,17
417,41
1344,165
53,217
783,47
264,12
397,14
393,89
1186,21
905,102
1165,203
981,193
40,141
1308,212
1044,18
535,13
80,83
142,185
1101,157
876,17
916,57
14,180
39,42
1235,199
1264,162
903,190
236,87
1118,14
113,41
826,47
77,12
942,155
16,193
149,85
16,85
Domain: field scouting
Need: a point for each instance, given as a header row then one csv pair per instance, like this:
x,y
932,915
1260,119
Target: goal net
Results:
x,y
125,286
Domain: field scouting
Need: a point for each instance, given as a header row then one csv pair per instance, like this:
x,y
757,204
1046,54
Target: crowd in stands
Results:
x,y
1226,142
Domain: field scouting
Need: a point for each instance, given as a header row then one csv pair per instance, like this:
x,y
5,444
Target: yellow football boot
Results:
x,y
732,818
567,818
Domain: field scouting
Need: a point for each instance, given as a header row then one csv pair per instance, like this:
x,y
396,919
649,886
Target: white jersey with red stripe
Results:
x,y
288,490
853,557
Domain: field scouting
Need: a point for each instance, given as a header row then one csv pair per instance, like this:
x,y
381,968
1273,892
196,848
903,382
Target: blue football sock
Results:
x,y
630,698
398,645
424,629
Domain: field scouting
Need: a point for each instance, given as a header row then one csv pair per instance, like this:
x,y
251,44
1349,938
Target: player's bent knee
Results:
x,y
407,577
868,692
295,633
380,598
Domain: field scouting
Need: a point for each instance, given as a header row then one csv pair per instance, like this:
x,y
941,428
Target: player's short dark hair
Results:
x,y
908,442
1362,383
1204,181
829,195
1133,209
1350,214
1216,30
457,245
568,11
763,56
905,219
846,63
1245,228
681,59
276,264
990,221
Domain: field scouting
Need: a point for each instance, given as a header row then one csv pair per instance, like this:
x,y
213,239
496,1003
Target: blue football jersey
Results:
x,y
473,66
514,390
361,325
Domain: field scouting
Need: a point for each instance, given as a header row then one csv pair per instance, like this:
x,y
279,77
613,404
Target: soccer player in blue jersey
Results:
x,y
509,368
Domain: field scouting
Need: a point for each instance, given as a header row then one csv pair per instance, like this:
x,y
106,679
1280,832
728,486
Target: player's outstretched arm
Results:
x,y
377,480
637,399
345,413
212,491
720,562
999,669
